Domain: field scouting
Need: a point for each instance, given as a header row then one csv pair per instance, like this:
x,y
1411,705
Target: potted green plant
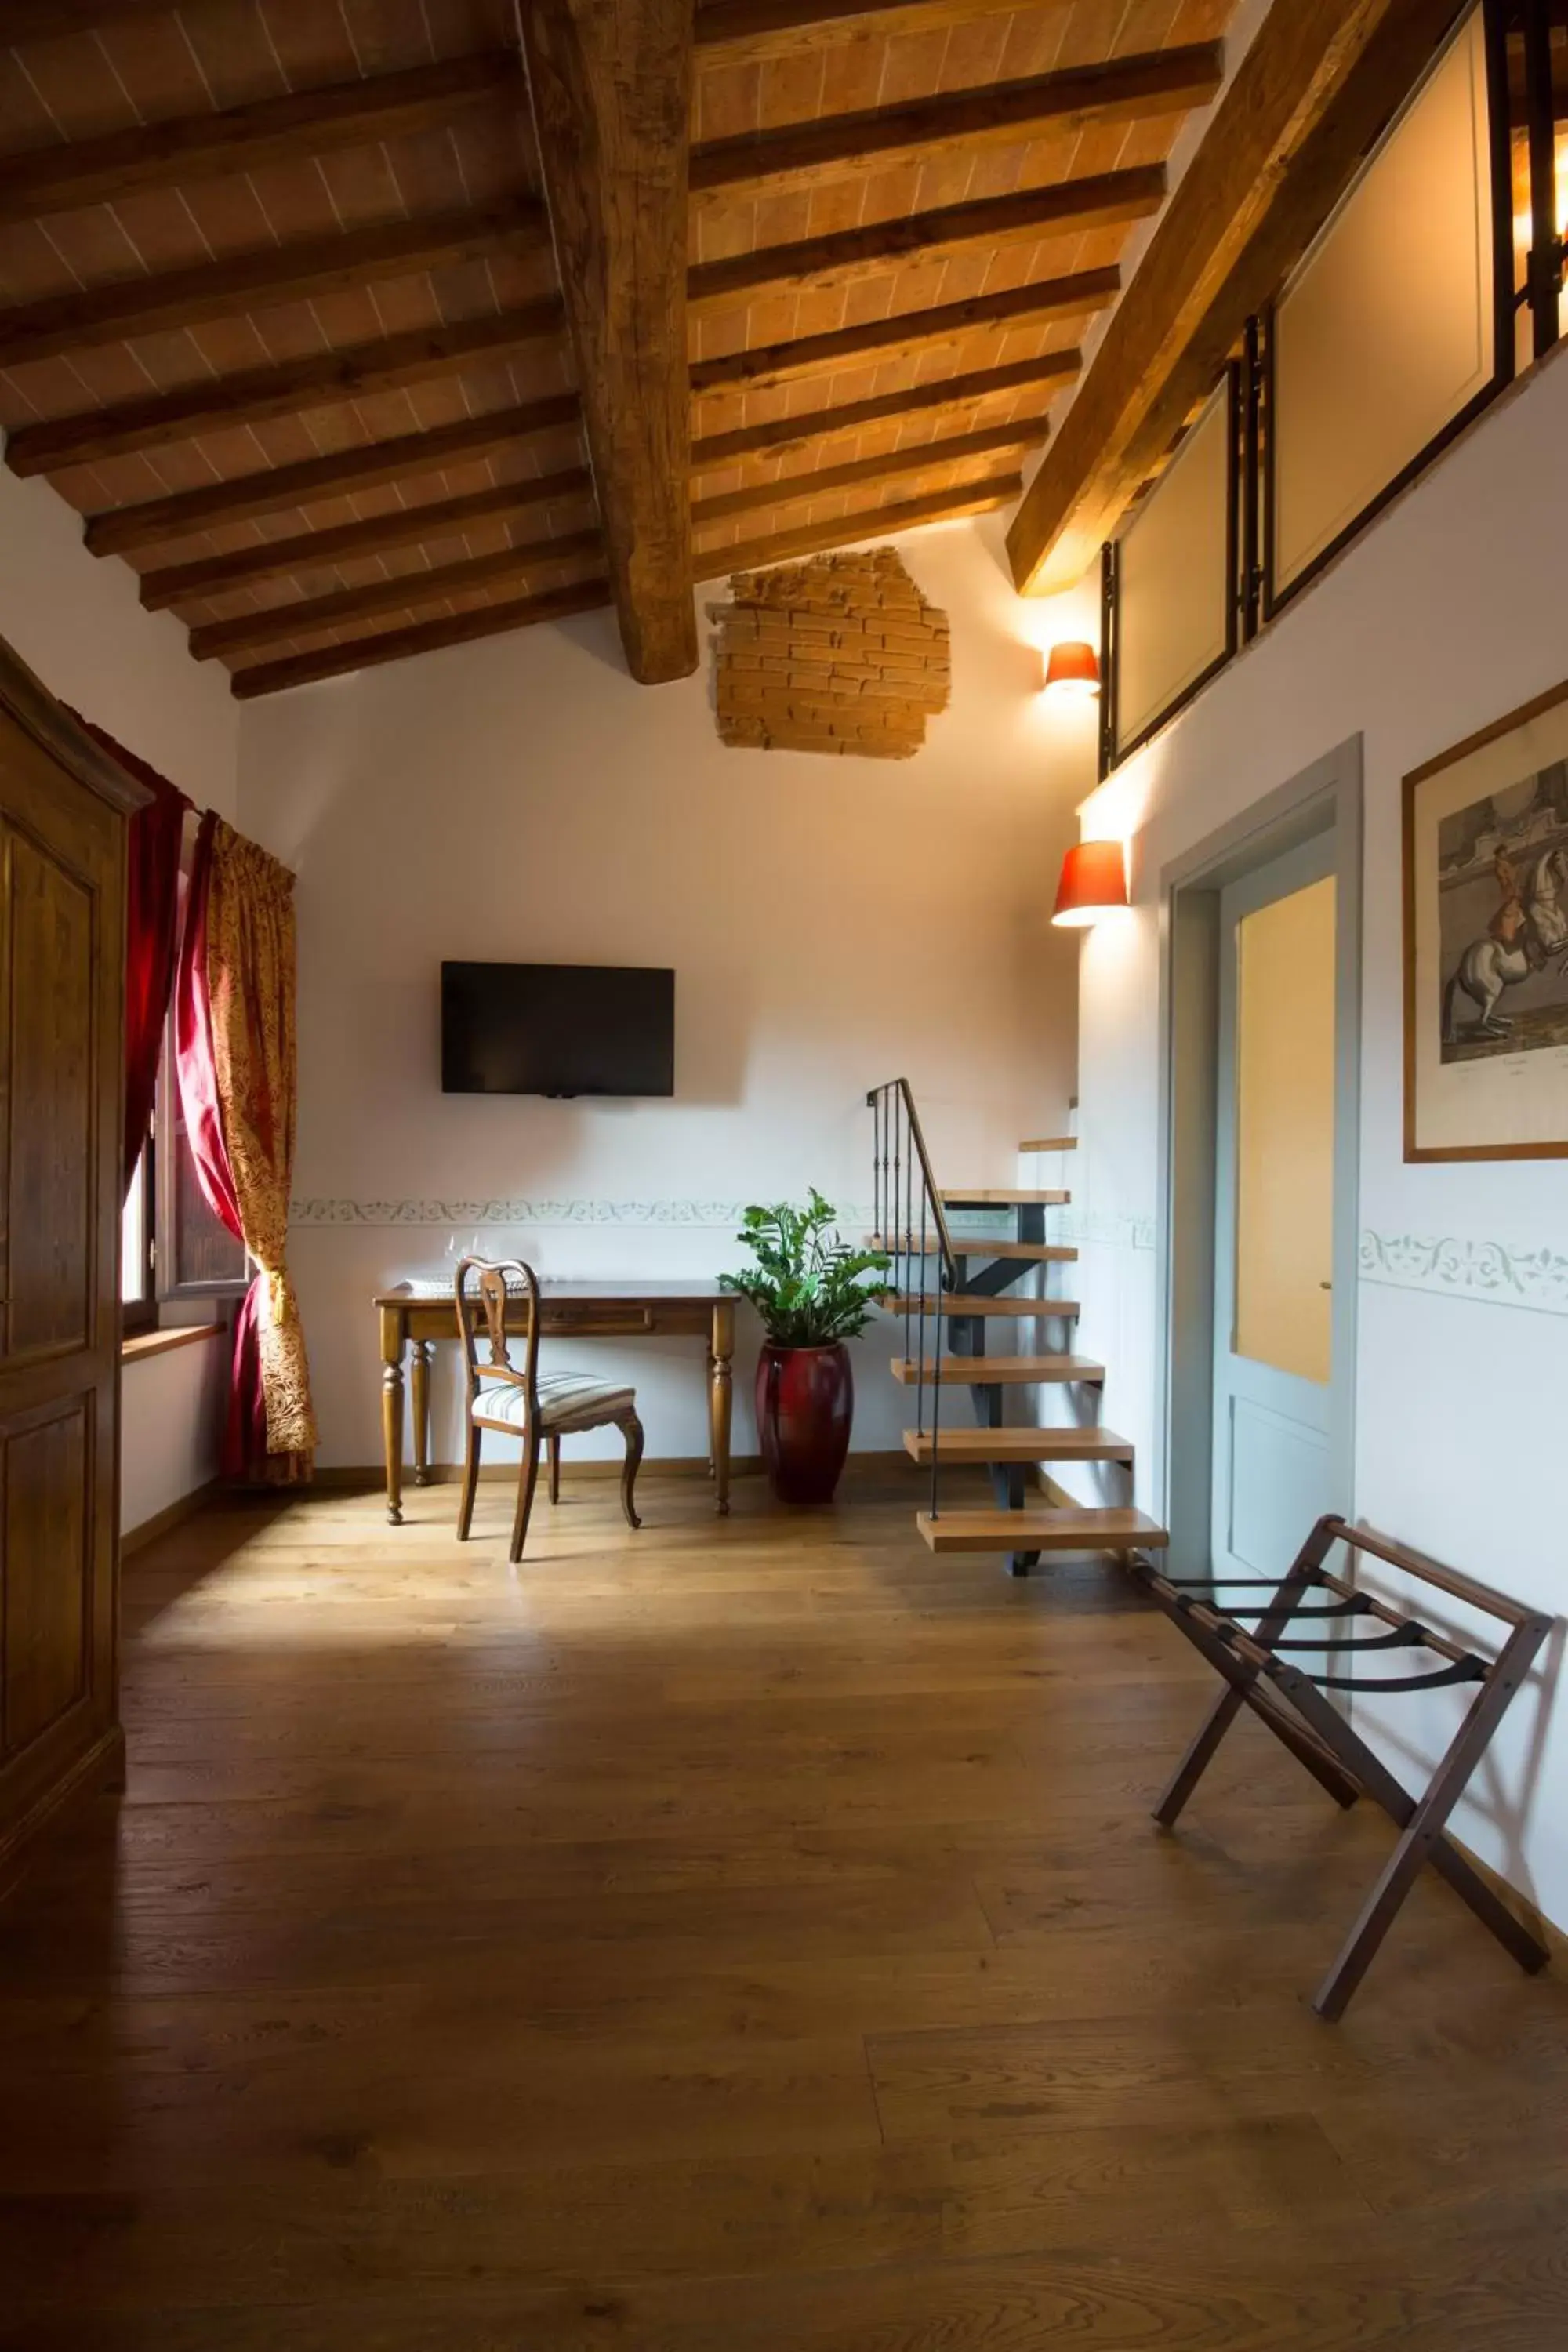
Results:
x,y
811,1290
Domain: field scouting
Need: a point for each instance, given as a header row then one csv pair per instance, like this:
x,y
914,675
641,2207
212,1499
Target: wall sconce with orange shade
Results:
x,y
1093,883
1073,672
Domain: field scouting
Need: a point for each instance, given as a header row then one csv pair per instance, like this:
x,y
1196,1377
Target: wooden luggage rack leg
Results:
x,y
1293,1705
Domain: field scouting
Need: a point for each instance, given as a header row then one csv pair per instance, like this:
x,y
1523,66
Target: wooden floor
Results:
x,y
733,1936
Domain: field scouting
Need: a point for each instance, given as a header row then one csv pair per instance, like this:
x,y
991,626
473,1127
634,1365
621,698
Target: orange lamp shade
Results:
x,y
1073,669
1094,880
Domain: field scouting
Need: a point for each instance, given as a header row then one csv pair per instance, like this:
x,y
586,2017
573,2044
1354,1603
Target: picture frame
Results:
x,y
1484,855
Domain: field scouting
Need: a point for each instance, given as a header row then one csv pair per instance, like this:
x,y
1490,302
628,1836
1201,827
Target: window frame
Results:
x,y
138,1314
1250,494
171,1291
1274,600
1112,752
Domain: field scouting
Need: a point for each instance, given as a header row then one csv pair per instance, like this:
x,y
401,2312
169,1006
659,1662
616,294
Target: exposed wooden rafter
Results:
x,y
301,617
807,155
965,391
256,393
1308,100
820,262
152,522
432,518
1085,291
252,282
788,489
240,139
850,531
422,638
611,88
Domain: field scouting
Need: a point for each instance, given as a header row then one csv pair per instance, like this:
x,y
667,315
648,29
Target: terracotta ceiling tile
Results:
x,y
792,88
79,91
234,55
25,120
726,102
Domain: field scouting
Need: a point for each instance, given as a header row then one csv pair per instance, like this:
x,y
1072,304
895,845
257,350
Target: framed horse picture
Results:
x,y
1486,943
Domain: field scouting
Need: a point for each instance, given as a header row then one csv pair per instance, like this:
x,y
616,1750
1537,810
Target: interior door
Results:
x,y
1274,1242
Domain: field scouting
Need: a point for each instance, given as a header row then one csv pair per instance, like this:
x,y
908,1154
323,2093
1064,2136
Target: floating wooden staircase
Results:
x,y
951,1288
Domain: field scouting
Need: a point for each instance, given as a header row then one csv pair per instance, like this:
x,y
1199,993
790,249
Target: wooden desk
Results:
x,y
414,1320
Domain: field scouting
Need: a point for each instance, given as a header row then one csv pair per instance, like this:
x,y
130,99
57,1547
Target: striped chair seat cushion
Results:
x,y
562,1397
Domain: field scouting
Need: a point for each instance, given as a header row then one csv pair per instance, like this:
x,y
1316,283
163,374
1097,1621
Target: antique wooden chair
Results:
x,y
542,1412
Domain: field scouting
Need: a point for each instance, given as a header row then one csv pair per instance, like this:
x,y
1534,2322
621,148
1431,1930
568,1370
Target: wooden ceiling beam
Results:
x,y
751,32
958,449
276,559
850,531
278,623
808,154
817,263
611,86
1307,101
784,433
153,523
303,123
1085,291
421,637
219,404
177,298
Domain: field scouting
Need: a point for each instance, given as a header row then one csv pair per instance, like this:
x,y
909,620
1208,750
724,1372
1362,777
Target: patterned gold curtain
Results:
x,y
250,987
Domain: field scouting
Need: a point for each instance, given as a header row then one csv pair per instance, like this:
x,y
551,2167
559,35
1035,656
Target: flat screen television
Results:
x,y
556,1029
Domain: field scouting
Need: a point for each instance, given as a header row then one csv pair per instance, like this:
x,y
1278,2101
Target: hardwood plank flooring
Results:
x,y
739,1937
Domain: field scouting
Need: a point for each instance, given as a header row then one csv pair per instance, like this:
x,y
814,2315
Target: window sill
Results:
x,y
142,1344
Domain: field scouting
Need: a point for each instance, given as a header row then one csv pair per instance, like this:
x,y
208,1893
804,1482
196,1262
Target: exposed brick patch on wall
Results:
x,y
842,654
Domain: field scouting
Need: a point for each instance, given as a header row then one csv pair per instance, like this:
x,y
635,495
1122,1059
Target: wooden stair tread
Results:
x,y
969,1445
1003,1197
1053,1530
1050,1143
957,1302
997,1372
980,1245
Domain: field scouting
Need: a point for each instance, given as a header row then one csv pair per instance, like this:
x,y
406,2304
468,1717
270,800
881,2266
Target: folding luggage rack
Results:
x,y
1291,1701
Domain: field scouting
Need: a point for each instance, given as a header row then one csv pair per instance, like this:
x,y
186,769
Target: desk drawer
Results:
x,y
614,1319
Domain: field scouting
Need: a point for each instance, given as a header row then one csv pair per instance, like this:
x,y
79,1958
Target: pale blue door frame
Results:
x,y
1321,806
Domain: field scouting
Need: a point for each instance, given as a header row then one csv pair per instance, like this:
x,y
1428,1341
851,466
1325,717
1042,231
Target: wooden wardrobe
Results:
x,y
64,809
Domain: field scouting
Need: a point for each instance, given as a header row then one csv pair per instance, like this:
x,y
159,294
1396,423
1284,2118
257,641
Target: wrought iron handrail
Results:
x,y
900,1168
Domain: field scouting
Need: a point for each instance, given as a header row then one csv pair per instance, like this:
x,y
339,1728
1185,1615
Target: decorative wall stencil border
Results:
x,y
318,1210
1450,1267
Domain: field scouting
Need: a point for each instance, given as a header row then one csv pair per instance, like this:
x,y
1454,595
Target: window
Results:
x,y
1396,329
1438,275
1174,585
198,1257
138,1245
173,1249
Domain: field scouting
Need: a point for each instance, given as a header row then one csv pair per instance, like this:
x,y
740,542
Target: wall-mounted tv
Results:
x,y
556,1029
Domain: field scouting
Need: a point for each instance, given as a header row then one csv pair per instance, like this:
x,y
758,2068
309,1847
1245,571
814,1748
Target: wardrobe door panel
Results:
x,y
53,1258
47,1617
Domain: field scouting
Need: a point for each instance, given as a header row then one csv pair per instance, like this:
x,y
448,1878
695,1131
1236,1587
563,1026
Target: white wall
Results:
x,y
170,1427
1447,615
831,923
77,621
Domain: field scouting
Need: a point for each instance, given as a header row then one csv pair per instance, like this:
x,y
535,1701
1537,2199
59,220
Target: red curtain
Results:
x,y
152,925
233,1038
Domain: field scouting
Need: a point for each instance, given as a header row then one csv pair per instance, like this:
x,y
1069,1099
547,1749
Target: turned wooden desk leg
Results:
x,y
393,1338
422,1351
720,1401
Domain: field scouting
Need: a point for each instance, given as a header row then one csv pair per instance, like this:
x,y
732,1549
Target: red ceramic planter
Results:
x,y
805,1403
